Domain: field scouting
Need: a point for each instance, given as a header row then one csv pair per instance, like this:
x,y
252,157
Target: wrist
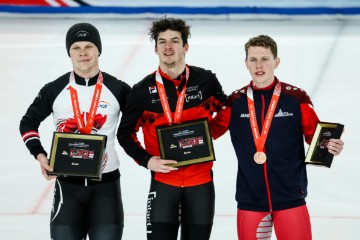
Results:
x,y
40,156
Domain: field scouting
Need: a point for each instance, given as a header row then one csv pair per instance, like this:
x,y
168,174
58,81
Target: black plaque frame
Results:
x,y
187,143
77,154
317,153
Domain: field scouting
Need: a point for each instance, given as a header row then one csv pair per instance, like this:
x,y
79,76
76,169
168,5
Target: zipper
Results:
x,y
86,102
85,119
183,178
265,164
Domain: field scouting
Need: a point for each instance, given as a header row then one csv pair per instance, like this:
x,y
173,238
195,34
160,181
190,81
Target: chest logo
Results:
x,y
103,104
283,114
152,89
189,97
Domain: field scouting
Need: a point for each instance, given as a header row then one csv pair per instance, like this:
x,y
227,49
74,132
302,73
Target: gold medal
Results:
x,y
260,157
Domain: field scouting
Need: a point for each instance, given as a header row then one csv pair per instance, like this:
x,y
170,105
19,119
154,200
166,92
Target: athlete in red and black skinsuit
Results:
x,y
189,187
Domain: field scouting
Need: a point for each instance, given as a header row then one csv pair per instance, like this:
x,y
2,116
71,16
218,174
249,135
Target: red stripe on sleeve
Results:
x,y
309,120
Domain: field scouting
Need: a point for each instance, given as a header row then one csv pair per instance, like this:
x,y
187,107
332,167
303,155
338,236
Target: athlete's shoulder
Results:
x,y
300,94
49,92
113,81
288,88
195,70
57,84
141,90
239,93
148,80
109,77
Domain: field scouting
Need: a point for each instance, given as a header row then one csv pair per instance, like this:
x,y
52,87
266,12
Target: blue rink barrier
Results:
x,y
145,11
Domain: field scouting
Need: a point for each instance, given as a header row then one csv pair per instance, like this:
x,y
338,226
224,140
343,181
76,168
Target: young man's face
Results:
x,y
170,48
261,65
85,58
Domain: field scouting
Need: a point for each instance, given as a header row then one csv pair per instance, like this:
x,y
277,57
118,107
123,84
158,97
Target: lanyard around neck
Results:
x,y
164,100
260,139
85,129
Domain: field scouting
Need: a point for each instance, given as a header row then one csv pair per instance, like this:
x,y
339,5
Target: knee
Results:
x,y
106,232
60,232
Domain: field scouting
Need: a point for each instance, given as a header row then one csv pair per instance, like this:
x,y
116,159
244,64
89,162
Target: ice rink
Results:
x,y
320,56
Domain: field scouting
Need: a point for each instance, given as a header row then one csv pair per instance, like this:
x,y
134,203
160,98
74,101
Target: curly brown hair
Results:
x,y
166,23
262,41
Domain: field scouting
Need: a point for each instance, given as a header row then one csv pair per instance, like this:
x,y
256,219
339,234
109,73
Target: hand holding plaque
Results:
x,y
187,143
318,153
77,154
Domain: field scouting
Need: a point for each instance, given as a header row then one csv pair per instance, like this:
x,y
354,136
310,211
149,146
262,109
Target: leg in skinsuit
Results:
x,y
78,210
293,223
198,208
197,211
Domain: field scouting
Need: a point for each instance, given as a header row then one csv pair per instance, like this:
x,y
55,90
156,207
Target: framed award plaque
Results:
x,y
187,143
77,154
317,153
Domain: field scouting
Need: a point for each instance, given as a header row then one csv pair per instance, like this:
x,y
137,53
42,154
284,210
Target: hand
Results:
x,y
335,146
44,165
157,164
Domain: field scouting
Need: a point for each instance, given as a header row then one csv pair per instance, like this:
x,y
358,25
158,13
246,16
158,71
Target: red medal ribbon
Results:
x,y
85,129
260,139
164,101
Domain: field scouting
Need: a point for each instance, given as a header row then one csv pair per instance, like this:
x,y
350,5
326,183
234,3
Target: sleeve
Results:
x,y
218,94
309,120
37,112
119,89
129,126
123,96
220,123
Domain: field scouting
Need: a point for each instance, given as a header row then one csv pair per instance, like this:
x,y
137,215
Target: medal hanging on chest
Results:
x,y
85,128
260,155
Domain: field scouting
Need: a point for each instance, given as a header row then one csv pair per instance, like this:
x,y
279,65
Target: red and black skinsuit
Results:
x,y
204,96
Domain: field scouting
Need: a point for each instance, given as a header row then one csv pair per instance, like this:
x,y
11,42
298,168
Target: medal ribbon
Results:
x,y
85,129
164,101
260,139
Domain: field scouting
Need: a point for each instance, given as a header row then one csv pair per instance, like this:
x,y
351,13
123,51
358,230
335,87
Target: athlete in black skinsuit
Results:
x,y
81,206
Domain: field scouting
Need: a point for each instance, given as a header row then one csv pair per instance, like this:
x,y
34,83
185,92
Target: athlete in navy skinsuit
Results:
x,y
81,206
271,184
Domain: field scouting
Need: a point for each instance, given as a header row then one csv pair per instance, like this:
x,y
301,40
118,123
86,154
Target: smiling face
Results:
x,y
85,59
261,64
171,49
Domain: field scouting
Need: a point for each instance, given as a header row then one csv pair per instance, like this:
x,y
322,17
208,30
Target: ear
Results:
x,y
277,62
186,47
246,63
156,50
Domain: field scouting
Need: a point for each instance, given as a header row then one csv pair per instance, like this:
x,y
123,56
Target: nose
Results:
x,y
168,45
258,64
82,52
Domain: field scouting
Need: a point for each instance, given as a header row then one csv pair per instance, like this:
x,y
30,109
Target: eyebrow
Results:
x,y
259,57
170,38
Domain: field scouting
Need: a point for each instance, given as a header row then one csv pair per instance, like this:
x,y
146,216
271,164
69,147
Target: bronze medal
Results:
x,y
260,139
260,157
